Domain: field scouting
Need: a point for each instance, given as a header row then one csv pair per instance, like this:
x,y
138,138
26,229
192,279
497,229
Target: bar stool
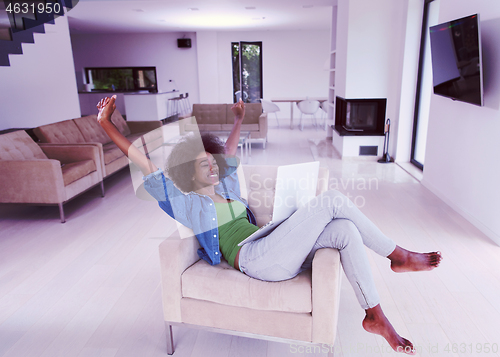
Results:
x,y
185,106
173,107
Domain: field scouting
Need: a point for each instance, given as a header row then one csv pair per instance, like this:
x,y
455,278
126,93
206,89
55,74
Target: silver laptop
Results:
x,y
295,187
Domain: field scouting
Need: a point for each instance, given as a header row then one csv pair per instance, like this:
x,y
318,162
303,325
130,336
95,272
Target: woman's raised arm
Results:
x,y
232,142
106,108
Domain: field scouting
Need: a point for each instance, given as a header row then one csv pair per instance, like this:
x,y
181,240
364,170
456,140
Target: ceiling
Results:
x,y
132,16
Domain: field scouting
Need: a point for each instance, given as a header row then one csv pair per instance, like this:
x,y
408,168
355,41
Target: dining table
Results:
x,y
296,100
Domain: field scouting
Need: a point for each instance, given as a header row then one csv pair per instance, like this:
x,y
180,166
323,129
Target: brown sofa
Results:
x,y
195,294
87,130
216,117
46,174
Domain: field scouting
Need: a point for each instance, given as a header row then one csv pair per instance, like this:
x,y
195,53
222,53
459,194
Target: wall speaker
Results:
x,y
184,43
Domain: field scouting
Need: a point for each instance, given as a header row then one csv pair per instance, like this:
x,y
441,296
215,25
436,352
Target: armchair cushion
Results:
x,y
120,123
111,153
76,170
244,127
91,130
64,132
224,285
252,113
210,113
18,145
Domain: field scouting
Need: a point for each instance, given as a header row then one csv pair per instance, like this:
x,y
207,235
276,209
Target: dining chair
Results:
x,y
270,107
308,107
324,113
238,96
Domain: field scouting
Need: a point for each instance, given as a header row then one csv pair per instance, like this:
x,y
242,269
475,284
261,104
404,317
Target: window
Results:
x,y
424,87
247,71
122,79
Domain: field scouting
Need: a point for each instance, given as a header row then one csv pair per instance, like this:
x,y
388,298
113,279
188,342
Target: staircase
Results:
x,y
17,27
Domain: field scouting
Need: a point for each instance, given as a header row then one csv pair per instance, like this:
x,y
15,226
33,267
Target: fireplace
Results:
x,y
360,117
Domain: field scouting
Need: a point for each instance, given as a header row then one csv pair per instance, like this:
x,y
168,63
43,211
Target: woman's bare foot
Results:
x,y
376,322
403,260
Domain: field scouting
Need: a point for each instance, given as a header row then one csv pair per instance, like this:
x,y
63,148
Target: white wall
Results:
x,y
155,49
461,162
371,39
39,87
208,80
293,65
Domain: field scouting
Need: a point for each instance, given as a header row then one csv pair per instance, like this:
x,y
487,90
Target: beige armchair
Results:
x,y
46,174
220,117
221,299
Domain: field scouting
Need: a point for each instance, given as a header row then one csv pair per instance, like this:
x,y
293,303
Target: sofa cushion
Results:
x,y
120,123
76,170
208,127
225,285
63,132
252,113
18,145
91,129
210,113
111,152
244,127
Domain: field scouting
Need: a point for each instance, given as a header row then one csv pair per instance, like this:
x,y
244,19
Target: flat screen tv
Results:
x,y
457,71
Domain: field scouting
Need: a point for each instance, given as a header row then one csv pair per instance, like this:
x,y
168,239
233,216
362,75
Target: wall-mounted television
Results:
x,y
457,70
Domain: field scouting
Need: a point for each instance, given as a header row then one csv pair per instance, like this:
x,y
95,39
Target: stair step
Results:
x,y
5,34
33,26
11,47
23,37
4,60
69,4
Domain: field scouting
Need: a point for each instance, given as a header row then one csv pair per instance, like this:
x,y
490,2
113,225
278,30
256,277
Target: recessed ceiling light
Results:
x,y
250,7
194,9
138,10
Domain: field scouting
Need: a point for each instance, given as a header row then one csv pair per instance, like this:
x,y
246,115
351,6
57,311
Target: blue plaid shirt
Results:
x,y
197,211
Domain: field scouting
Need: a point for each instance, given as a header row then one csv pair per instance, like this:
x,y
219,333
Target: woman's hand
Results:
x,y
238,110
106,107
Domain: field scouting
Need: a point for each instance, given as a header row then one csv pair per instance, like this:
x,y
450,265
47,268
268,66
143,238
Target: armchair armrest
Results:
x,y
96,144
176,255
187,115
326,279
72,153
143,126
31,181
263,125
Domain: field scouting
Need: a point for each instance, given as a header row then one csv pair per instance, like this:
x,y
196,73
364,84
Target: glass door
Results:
x,y
247,71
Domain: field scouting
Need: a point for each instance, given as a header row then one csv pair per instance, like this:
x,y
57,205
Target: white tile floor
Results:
x,y
90,287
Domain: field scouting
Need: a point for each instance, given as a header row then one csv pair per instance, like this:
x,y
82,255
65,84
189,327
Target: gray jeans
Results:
x,y
330,220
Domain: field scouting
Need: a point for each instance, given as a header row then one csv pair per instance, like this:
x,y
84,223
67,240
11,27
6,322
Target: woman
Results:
x,y
211,205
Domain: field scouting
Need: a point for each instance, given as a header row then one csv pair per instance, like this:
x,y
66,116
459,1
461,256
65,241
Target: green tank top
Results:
x,y
234,227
